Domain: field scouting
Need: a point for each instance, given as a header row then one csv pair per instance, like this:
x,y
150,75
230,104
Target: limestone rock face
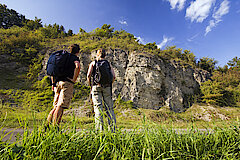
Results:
x,y
144,80
149,81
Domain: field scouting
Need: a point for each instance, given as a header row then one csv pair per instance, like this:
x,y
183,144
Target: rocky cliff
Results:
x,y
149,81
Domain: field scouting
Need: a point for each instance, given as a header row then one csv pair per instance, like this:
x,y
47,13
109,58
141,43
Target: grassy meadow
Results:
x,y
145,141
140,134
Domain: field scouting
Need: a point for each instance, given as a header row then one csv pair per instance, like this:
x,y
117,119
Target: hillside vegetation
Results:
x,y
209,129
25,41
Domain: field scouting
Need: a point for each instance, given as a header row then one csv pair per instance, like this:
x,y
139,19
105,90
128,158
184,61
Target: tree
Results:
x,y
189,57
70,32
9,17
207,64
151,46
214,93
104,31
234,63
224,88
62,29
223,69
107,28
53,31
172,52
81,31
33,25
123,34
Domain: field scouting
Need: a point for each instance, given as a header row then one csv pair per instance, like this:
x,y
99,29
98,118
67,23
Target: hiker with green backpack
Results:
x,y
100,77
64,68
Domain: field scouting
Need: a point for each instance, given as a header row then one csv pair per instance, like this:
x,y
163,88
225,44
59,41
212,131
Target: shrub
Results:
x,y
224,88
21,44
80,92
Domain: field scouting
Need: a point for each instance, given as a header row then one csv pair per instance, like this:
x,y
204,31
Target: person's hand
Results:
x,y
71,80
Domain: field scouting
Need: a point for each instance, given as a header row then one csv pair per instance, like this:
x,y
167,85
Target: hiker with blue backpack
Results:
x,y
64,68
100,77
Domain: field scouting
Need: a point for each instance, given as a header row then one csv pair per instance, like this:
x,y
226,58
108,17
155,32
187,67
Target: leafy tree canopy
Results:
x,y
151,46
104,31
208,64
9,17
224,88
234,63
33,24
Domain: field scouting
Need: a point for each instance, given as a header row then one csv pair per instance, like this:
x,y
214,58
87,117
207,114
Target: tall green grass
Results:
x,y
143,142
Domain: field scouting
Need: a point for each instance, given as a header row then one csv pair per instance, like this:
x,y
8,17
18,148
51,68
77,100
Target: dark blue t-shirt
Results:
x,y
71,67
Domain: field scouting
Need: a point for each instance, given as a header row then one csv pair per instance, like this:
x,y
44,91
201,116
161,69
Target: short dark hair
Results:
x,y
74,48
103,53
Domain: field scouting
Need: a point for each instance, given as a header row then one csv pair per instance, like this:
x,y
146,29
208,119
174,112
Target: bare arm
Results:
x,y
52,80
89,74
76,71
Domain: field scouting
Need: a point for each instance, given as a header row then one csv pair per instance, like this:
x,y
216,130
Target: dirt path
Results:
x,y
12,134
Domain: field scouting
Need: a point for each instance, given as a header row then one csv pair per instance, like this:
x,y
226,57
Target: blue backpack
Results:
x,y
58,63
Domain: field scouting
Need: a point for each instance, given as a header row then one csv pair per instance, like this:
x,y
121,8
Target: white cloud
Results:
x,y
179,4
212,24
192,38
140,40
217,15
123,22
199,10
165,41
223,9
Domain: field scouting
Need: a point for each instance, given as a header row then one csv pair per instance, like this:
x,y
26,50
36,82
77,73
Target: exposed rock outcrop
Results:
x,y
208,113
149,81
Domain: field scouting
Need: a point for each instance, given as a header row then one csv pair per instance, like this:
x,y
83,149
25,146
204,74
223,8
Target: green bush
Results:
x,y
81,92
38,98
214,93
224,88
22,45
121,104
53,31
35,68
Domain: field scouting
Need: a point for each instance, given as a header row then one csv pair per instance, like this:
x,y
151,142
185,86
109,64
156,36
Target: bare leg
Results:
x,y
57,115
50,115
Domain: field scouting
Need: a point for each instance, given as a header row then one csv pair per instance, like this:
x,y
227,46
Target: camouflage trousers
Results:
x,y
103,107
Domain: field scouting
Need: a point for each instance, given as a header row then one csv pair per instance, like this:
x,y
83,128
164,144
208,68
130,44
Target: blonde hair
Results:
x,y
103,53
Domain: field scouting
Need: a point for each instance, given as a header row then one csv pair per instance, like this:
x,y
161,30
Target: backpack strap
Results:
x,y
94,67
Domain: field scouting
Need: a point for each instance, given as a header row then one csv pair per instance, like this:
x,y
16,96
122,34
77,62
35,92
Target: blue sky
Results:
x,y
208,28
